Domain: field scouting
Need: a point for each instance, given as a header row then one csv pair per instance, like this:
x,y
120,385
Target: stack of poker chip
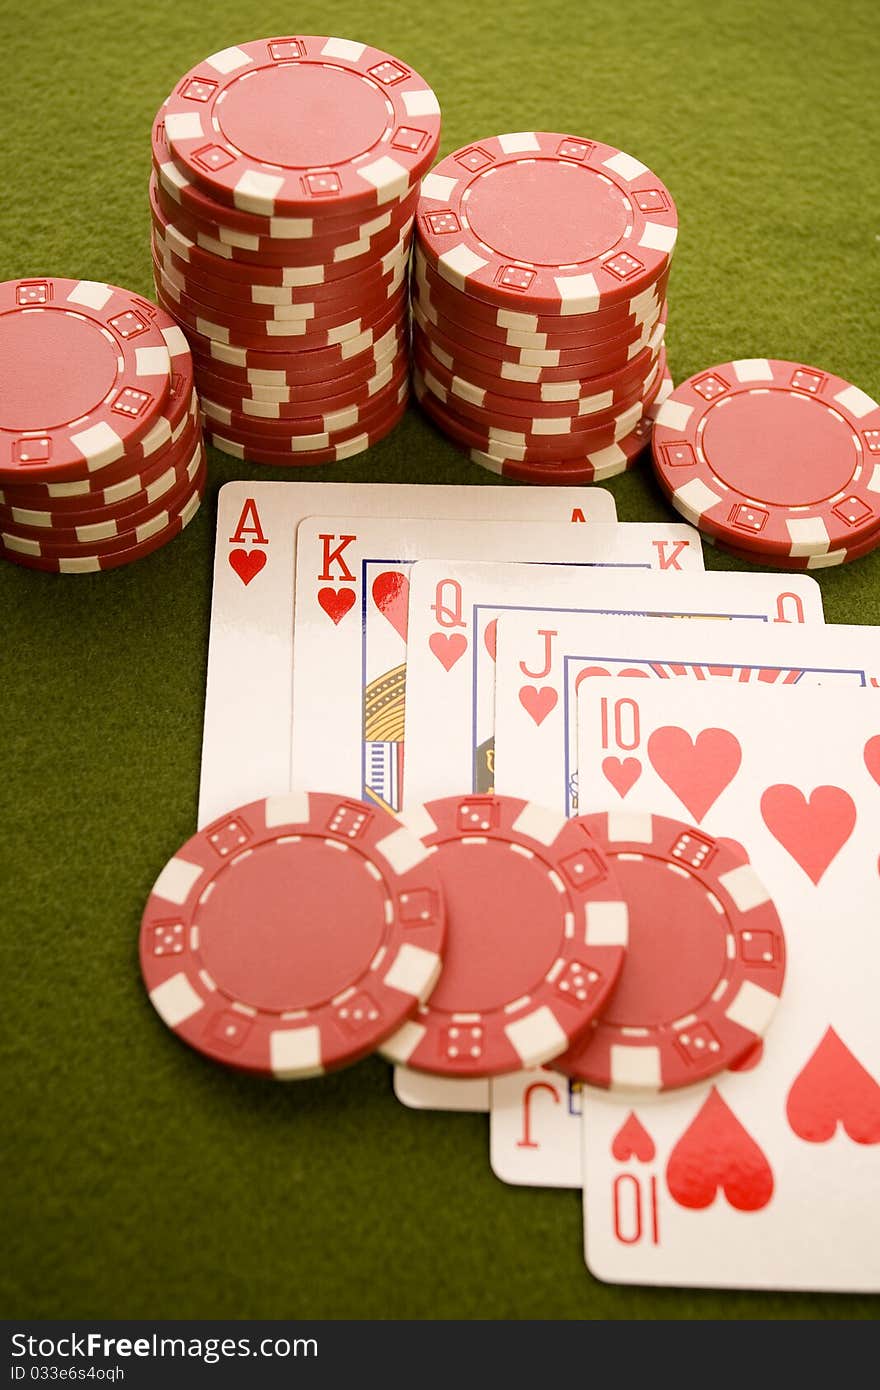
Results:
x,y
284,182
101,453
539,304
446,943
776,462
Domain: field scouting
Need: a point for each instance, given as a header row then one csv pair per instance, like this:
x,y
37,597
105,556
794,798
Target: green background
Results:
x,y
141,1180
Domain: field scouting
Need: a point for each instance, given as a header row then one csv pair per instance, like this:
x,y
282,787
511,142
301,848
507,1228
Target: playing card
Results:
x,y
654,652
453,614
350,632
246,743
766,1177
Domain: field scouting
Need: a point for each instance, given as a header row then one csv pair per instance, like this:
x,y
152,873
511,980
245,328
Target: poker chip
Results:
x,y
292,124
775,460
100,440
294,935
284,185
89,558
705,962
248,445
537,933
484,223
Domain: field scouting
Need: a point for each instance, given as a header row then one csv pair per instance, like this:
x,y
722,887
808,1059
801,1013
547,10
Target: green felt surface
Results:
x,y
140,1180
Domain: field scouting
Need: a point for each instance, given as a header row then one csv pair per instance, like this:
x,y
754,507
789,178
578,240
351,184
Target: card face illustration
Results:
x,y
350,629
767,1175
247,732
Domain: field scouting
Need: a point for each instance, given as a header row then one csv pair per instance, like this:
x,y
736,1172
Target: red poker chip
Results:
x,y
105,537
234,443
293,935
455,303
523,429
519,447
372,240
58,424
530,395
290,124
108,487
85,561
54,519
278,335
298,428
595,468
269,403
309,223
371,350
844,555
520,364
537,932
772,456
269,301
533,348
705,964
232,387
310,281
485,224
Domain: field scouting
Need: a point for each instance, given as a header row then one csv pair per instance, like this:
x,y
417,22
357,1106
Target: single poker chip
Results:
x,y
307,123
457,304
533,347
313,281
705,964
274,334
499,371
370,240
537,933
110,486
234,443
483,223
56,423
84,561
119,513
269,301
514,446
522,429
844,555
177,186
300,428
269,403
595,468
294,935
772,456
530,394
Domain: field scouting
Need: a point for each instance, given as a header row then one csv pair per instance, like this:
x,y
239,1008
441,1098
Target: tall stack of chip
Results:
x,y
539,304
101,453
285,176
776,462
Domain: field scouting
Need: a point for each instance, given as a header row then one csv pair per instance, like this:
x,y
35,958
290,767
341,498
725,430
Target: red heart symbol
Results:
x,y
447,647
336,602
247,563
622,773
834,1089
715,1152
538,703
632,1140
490,637
812,829
696,770
872,757
391,596
627,671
